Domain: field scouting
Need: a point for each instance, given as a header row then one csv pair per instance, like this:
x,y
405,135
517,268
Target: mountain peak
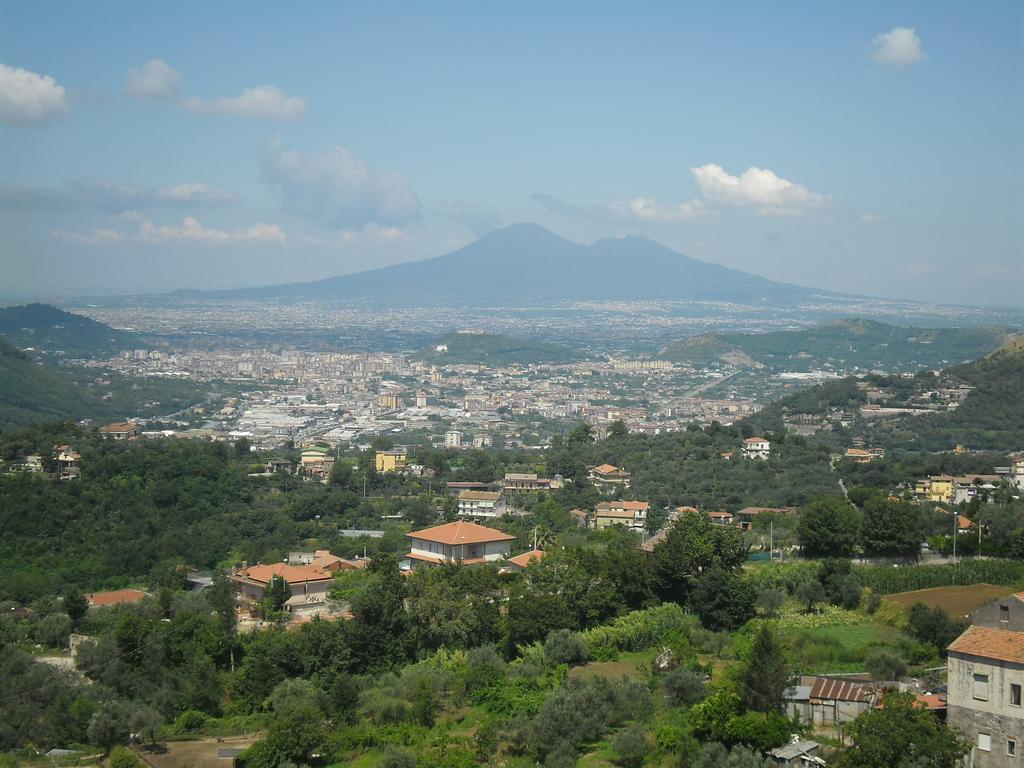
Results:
x,y
525,264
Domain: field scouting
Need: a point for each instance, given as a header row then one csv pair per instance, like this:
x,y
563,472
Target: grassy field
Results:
x,y
837,648
956,601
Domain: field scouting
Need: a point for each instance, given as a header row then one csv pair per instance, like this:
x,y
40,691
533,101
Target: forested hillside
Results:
x,y
991,417
31,392
51,331
845,345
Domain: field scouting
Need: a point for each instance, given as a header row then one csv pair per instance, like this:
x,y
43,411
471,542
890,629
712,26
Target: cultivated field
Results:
x,y
956,601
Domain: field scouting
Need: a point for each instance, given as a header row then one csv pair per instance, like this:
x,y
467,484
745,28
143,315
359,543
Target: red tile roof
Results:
x,y
117,597
526,558
460,532
293,574
998,644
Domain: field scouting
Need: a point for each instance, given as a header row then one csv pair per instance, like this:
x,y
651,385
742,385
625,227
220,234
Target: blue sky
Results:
x,y
866,147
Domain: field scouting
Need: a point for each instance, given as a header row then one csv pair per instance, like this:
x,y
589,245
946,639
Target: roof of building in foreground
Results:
x,y
460,532
998,644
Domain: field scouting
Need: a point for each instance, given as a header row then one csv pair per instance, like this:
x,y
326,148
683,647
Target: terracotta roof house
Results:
x,y
117,597
632,514
756,447
519,562
458,542
121,430
608,477
985,693
309,584
722,518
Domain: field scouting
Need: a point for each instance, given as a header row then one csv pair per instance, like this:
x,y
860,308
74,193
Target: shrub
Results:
x,y
122,757
395,757
631,746
564,646
874,603
189,721
883,664
683,687
637,631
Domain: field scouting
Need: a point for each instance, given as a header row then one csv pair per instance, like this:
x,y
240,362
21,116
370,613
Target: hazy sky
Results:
x,y
865,147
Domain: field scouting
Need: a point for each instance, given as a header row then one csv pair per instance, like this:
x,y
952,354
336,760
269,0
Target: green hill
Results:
x,y
53,331
31,392
845,345
495,350
990,417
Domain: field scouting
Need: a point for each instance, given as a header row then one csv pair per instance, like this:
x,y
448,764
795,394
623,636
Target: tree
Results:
x,y
692,546
565,647
582,434
75,606
766,674
810,593
933,625
892,528
770,600
296,731
829,527
54,629
278,593
110,724
631,746
901,734
684,687
618,430
723,600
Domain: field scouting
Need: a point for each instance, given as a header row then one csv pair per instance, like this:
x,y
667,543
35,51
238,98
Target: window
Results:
x,y
1015,694
980,687
1004,614
985,742
1011,748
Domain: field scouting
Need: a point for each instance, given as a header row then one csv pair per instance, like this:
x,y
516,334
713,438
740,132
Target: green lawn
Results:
x,y
837,648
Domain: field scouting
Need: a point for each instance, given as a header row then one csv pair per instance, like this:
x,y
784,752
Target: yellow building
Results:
x,y
391,461
937,489
389,402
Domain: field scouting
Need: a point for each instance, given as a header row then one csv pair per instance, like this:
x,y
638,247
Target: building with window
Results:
x,y
607,477
391,461
756,448
986,680
631,514
458,542
482,504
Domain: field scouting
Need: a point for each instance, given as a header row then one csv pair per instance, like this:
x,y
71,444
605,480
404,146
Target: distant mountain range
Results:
x,y
528,265
846,345
51,330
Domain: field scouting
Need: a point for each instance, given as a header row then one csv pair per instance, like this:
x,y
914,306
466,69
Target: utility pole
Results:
x,y
956,531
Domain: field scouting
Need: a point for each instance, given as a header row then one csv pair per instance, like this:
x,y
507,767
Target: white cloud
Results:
x,y
870,218
106,195
638,209
649,209
899,47
27,98
337,189
266,102
756,187
153,80
189,230
371,233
